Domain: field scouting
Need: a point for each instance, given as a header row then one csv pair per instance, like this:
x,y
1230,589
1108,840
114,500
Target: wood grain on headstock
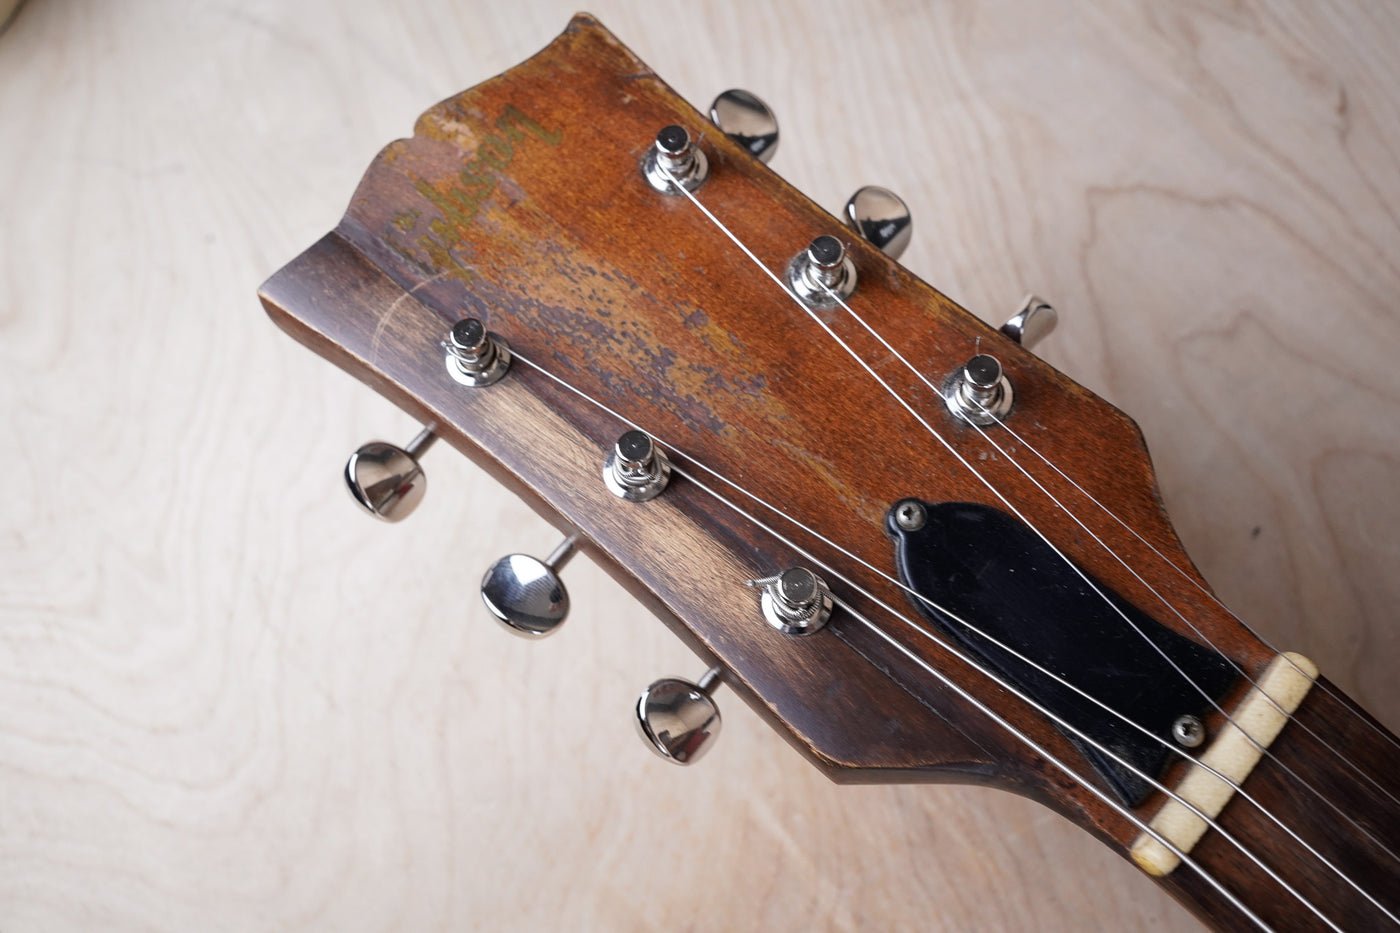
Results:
x,y
637,300
520,202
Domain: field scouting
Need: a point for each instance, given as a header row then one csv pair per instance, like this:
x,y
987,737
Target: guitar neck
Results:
x,y
1330,778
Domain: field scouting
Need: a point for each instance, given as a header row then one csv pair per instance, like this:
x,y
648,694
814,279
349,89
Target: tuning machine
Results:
x,y
387,481
881,218
796,601
747,120
979,392
525,594
637,468
474,357
678,719
1032,323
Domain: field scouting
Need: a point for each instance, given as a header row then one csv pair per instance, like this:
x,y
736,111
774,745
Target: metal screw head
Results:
x,y
910,515
1188,731
678,720
525,595
748,121
385,480
881,218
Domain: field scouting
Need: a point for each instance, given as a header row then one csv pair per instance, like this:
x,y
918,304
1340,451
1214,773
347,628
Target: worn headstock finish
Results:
x,y
522,203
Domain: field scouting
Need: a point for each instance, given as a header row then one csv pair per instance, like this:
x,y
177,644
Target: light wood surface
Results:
x,y
229,701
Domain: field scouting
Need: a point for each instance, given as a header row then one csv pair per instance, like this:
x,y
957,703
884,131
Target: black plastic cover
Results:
x,y
989,569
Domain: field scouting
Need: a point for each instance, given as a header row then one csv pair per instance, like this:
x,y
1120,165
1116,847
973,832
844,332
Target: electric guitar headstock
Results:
x,y
917,549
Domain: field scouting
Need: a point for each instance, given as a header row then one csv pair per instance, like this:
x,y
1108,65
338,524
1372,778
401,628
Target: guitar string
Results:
x,y
944,442
1003,498
961,459
1044,755
1336,752
1165,602
1214,599
1111,552
1025,739
836,574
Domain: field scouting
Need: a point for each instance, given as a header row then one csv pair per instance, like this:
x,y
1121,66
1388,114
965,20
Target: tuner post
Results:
x,y
796,601
822,274
475,357
675,159
979,392
636,469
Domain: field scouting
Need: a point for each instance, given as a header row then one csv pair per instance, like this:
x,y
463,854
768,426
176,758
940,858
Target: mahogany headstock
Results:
x,y
521,203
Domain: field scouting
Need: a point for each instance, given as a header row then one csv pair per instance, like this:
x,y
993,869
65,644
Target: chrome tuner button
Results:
x,y
748,121
387,481
979,392
675,158
910,515
1034,322
474,357
525,594
678,719
796,601
822,273
881,218
636,469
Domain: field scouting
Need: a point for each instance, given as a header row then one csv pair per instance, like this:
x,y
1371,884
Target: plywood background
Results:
x,y
228,701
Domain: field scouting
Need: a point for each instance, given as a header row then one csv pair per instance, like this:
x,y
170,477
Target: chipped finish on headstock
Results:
x,y
521,202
